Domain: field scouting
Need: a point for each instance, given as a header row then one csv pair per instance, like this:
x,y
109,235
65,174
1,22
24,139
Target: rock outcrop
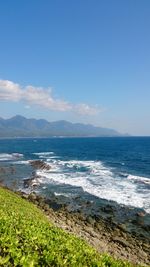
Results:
x,y
40,165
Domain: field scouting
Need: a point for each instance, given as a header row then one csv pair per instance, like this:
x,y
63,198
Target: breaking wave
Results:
x,y
8,157
99,180
139,179
43,153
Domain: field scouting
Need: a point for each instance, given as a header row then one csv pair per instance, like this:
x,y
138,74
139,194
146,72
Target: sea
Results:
x,y
115,169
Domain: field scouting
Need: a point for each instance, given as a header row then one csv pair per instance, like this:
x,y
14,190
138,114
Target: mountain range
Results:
x,y
20,126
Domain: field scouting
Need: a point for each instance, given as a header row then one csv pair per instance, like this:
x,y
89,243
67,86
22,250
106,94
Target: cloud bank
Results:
x,y
31,95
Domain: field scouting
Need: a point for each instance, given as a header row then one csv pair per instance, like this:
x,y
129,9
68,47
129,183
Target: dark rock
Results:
x,y
27,182
141,214
146,228
107,209
54,205
39,164
32,181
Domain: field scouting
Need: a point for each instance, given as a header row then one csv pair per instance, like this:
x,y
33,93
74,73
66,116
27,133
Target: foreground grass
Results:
x,y
28,239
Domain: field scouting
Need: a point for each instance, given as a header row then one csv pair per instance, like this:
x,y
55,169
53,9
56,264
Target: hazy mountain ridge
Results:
x,y
20,126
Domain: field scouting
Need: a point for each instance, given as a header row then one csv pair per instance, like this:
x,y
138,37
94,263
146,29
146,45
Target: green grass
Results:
x,y
28,239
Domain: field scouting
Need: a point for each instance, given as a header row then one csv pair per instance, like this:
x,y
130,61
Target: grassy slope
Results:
x,y
28,239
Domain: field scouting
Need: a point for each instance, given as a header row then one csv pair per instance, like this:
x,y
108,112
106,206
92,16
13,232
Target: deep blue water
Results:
x,y
112,168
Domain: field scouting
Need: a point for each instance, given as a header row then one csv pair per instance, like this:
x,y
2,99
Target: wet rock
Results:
x,y
32,181
88,203
27,182
146,228
39,164
54,205
107,209
141,214
96,218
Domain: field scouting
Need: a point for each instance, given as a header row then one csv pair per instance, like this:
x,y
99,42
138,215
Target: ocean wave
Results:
x,y
95,167
97,180
43,153
140,179
52,157
7,157
22,162
94,177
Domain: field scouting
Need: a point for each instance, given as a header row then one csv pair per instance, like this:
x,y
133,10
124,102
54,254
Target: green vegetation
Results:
x,y
28,239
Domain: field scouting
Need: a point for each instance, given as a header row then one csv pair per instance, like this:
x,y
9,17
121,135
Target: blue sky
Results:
x,y
83,61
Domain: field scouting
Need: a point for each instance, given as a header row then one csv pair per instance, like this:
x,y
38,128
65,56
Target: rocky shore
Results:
x,y
104,234
121,231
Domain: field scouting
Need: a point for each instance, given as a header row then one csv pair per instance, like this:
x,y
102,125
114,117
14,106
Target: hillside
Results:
x,y
27,238
19,126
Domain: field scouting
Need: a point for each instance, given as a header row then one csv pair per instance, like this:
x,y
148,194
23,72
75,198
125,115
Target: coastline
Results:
x,y
120,231
104,234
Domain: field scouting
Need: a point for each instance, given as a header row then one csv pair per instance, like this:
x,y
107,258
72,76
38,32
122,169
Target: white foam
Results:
x,y
139,179
17,155
97,180
13,156
44,187
22,162
43,153
53,157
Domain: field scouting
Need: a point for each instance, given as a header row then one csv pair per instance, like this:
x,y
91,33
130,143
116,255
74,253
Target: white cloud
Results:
x,y
10,91
43,97
85,109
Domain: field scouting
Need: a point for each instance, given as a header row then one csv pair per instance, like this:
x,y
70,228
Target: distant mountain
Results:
x,y
19,126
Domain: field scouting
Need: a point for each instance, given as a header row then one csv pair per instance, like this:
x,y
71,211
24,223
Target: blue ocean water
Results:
x,y
115,169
